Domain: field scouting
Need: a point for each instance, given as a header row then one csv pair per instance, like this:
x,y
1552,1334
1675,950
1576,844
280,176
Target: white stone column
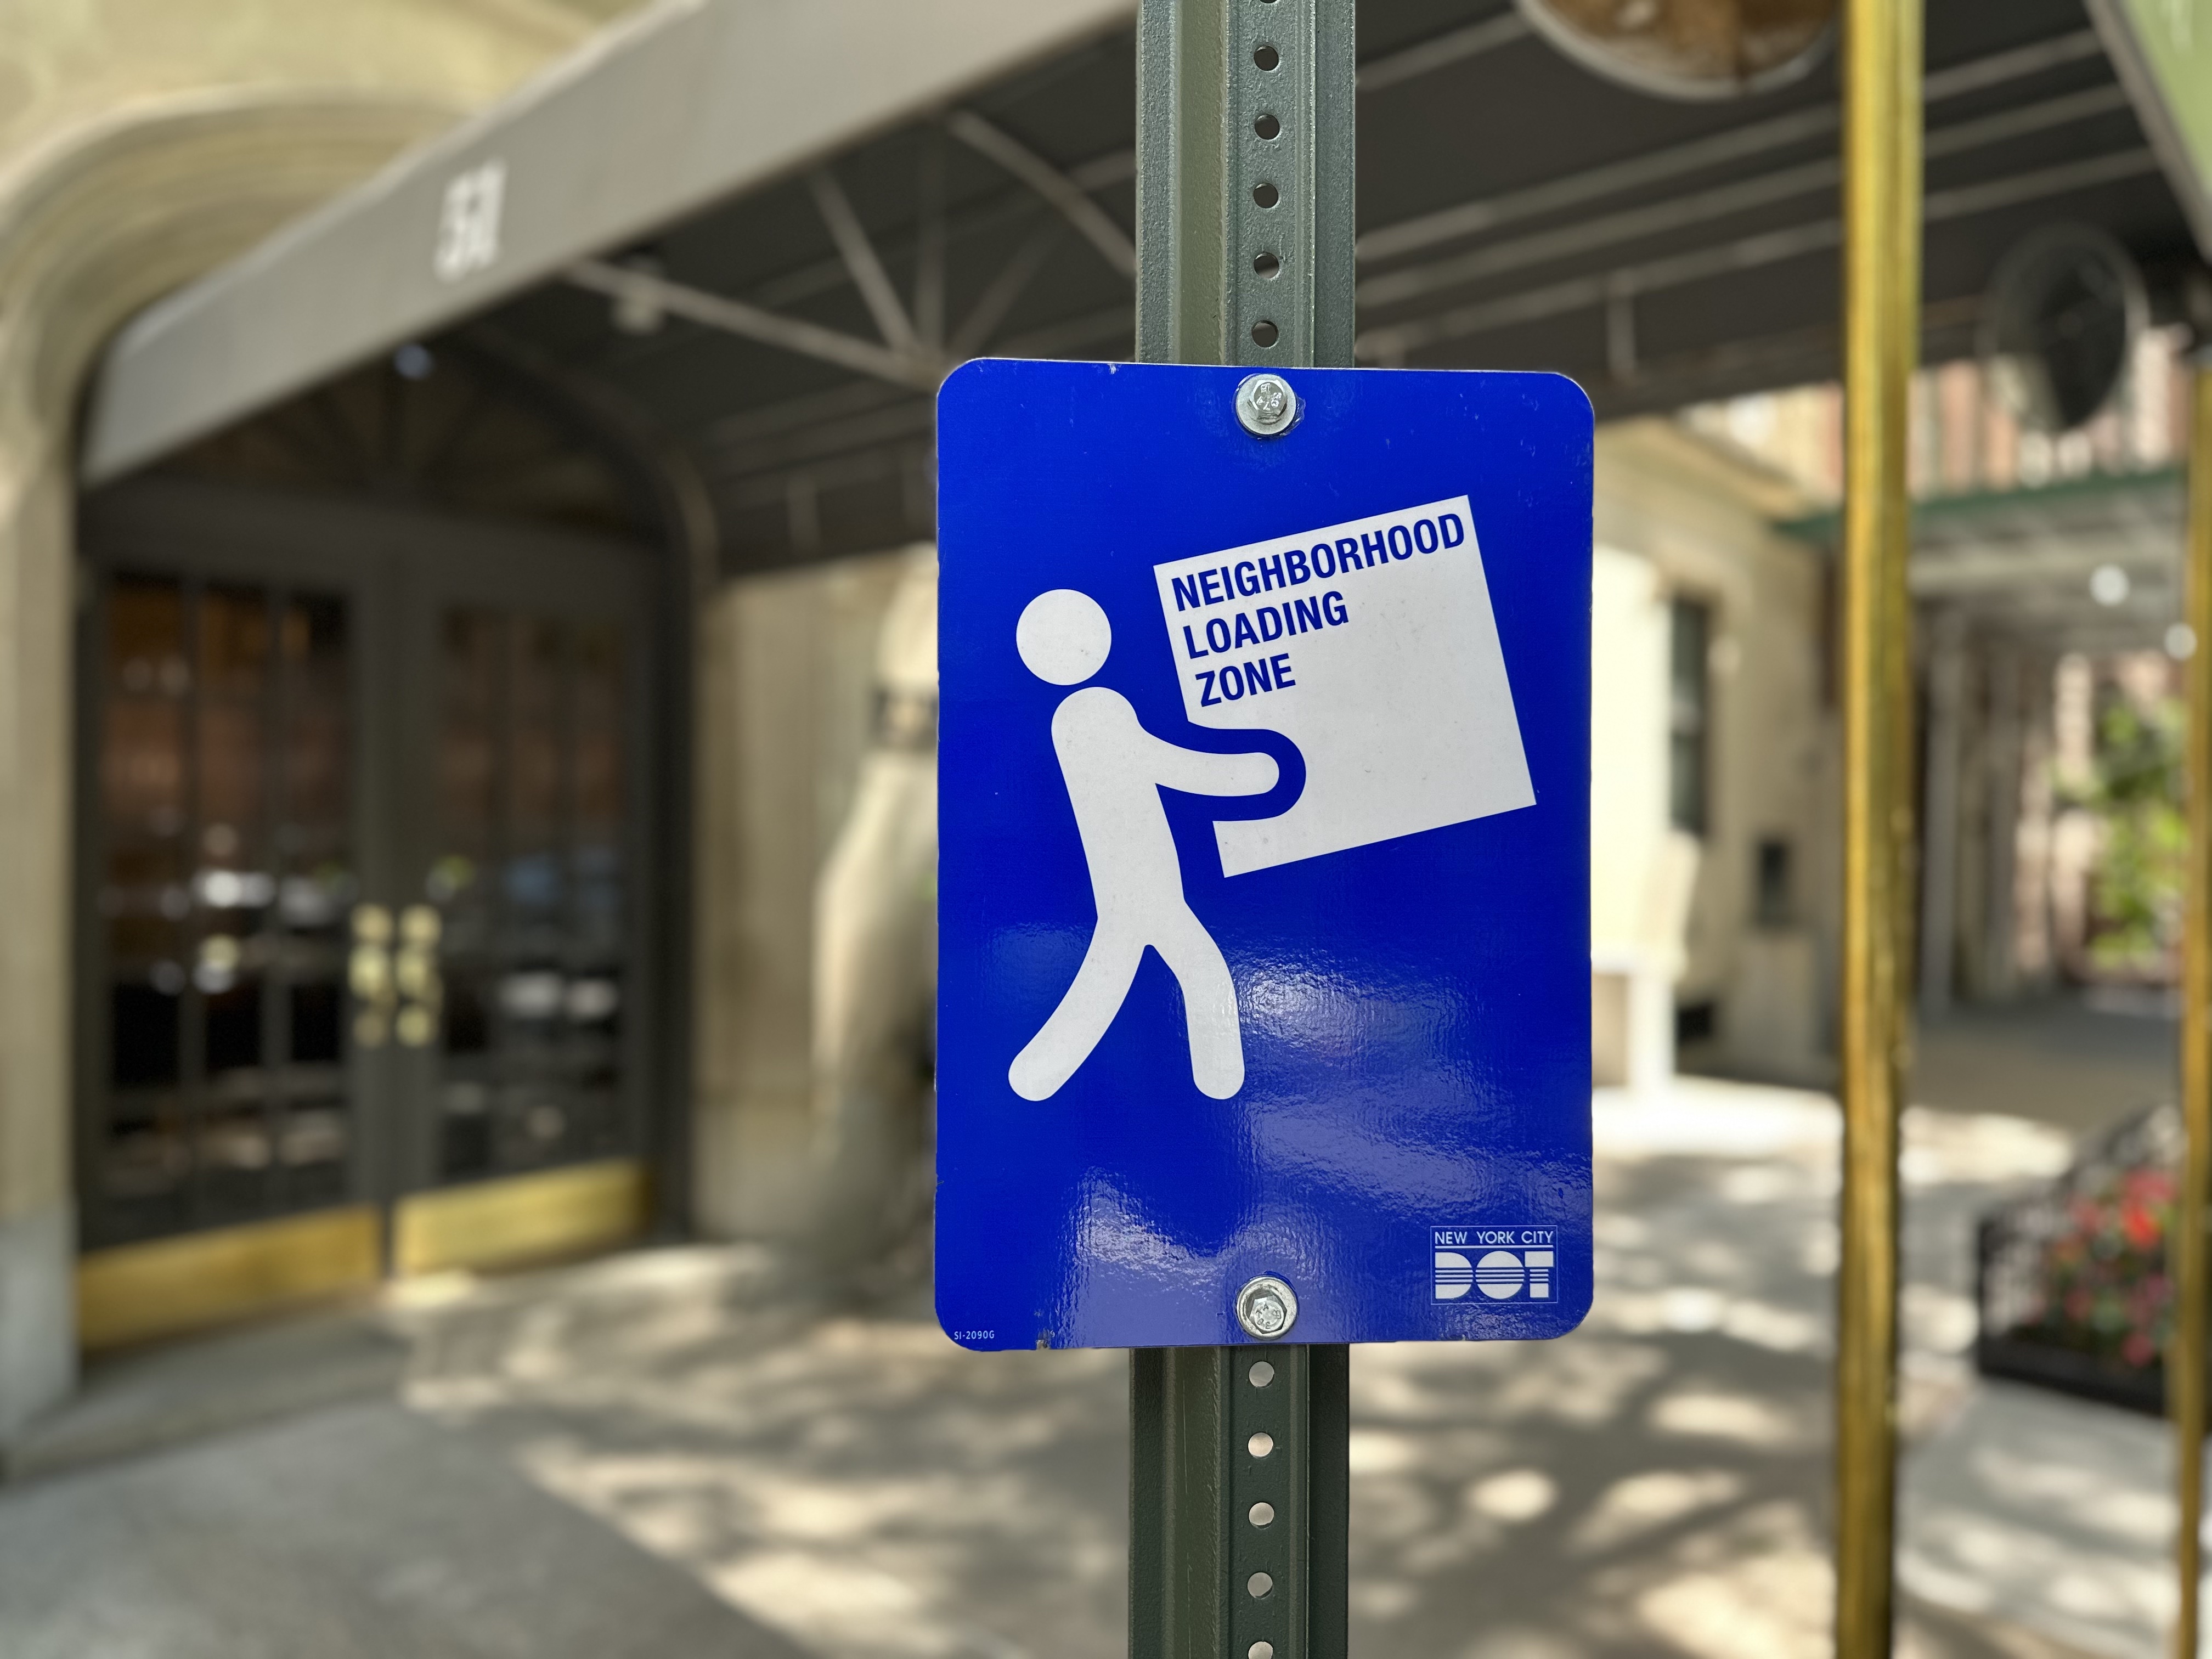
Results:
x,y
1999,978
1939,841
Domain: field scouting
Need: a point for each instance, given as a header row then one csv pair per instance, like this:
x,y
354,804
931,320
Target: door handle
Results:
x,y
370,977
416,977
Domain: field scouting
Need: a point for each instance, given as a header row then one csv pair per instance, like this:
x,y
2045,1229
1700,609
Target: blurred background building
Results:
x,y
467,639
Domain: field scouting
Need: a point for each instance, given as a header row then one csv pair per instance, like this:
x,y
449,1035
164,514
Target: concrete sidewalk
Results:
x,y
2082,1061
2057,1514
360,1531
696,1449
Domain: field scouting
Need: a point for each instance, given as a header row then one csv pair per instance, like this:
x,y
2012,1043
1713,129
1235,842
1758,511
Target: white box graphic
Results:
x,y
1372,647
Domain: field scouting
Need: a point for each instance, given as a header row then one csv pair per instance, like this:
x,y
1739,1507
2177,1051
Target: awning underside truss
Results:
x,y
1516,212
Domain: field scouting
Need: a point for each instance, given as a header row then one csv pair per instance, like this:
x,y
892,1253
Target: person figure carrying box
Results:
x,y
1114,770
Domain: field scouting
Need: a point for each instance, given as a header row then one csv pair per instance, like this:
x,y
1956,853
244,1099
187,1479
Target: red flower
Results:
x,y
2143,1229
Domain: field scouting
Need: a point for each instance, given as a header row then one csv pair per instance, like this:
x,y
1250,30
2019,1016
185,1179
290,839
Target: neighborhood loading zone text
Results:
x,y
1263,624
1326,636
1294,567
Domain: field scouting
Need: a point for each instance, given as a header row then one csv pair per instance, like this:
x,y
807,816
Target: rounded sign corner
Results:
x,y
974,1338
1571,1317
1587,410
966,374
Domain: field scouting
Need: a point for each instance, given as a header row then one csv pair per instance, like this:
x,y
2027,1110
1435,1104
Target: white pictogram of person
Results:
x,y
1114,770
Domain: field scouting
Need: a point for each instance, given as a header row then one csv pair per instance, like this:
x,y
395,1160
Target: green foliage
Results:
x,y
2136,792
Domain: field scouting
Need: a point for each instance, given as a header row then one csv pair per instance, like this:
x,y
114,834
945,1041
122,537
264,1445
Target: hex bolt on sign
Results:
x,y
1267,1307
1267,408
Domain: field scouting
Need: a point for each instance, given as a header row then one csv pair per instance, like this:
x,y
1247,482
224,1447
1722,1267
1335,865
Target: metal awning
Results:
x,y
691,102
2018,563
768,226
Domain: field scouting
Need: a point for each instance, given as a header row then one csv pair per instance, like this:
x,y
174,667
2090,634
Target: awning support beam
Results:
x,y
1723,200
1392,344
865,269
1068,198
1729,145
907,368
997,299
929,246
917,367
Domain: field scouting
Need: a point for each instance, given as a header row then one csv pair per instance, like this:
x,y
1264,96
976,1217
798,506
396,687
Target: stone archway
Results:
x,y
98,220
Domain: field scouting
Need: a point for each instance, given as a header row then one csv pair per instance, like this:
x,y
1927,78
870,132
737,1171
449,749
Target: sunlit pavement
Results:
x,y
2056,1513
690,1452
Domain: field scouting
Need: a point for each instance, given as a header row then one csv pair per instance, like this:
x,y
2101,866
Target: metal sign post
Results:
x,y
1244,182
1245,113
1263,884
1263,915
1882,307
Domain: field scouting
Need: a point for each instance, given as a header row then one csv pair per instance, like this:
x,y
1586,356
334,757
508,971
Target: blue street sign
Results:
x,y
1264,868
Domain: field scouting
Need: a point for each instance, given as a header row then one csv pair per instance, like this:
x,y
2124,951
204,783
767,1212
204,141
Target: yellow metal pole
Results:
x,y
2185,1244
1881,314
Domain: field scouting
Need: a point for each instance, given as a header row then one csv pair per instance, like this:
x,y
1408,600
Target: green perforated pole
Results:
x,y
1237,1472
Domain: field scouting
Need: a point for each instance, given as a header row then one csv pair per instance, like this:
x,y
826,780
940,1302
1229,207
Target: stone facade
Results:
x,y
142,142
1677,918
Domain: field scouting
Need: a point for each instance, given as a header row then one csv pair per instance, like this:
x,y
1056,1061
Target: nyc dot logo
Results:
x,y
1504,1263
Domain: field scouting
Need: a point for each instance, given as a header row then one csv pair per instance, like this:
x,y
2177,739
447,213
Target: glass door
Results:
x,y
224,844
525,890
363,805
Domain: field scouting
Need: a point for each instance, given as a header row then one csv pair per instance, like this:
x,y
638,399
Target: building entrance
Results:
x,y
362,811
